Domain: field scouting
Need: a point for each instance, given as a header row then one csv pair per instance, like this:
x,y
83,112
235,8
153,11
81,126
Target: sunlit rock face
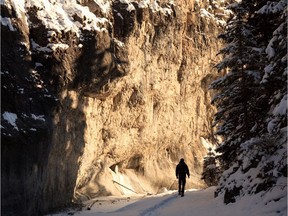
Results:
x,y
129,87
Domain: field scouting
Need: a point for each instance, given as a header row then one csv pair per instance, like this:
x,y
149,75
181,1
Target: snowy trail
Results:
x,y
194,203
152,210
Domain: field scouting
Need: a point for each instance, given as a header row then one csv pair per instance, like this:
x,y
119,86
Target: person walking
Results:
x,y
181,171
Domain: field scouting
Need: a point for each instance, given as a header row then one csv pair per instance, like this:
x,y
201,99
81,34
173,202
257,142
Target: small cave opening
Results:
x,y
115,167
135,162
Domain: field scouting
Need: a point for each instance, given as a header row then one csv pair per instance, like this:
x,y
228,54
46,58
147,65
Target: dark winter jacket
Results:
x,y
182,170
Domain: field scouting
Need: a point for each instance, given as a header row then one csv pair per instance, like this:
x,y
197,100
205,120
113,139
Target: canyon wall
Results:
x,y
110,92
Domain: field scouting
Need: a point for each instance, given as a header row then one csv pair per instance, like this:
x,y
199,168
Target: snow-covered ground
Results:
x,y
195,202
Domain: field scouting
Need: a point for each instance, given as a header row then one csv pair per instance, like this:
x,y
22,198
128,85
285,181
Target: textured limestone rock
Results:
x,y
157,108
129,99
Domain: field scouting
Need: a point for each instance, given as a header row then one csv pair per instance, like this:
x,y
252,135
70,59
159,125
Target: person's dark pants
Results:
x,y
181,182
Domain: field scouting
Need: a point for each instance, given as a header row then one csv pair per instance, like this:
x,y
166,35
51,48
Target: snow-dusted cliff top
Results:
x,y
73,15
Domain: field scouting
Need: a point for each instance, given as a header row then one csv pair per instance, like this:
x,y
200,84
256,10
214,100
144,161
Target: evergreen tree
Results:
x,y
274,80
252,99
236,98
211,172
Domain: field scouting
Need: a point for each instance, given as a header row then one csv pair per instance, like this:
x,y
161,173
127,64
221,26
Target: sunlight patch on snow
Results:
x,y
130,7
207,144
155,7
18,6
58,45
125,1
152,4
59,15
195,202
50,47
205,13
119,43
104,5
144,4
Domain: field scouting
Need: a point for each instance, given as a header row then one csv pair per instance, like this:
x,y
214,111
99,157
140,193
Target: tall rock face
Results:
x,y
101,93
